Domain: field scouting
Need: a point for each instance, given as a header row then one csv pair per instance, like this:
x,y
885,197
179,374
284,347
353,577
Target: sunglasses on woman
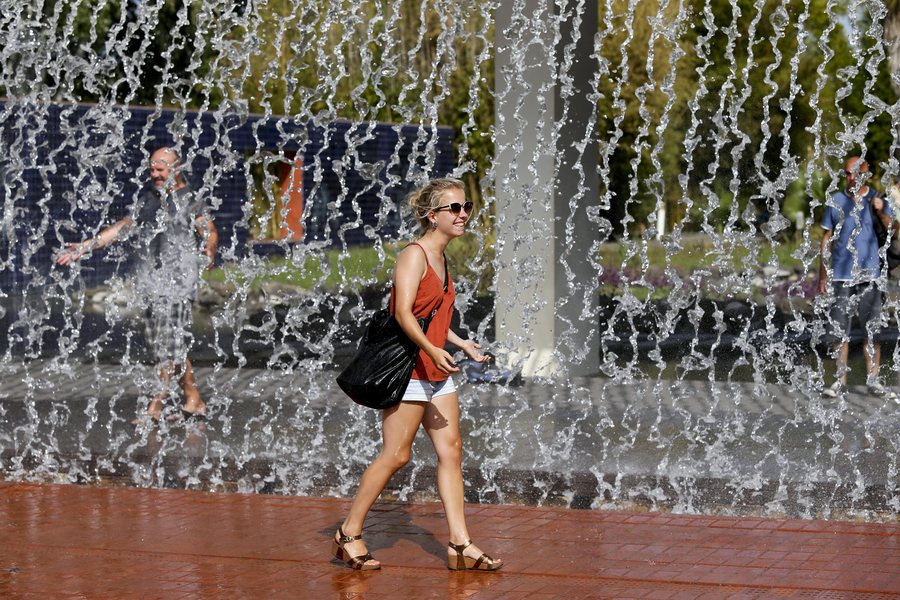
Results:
x,y
456,207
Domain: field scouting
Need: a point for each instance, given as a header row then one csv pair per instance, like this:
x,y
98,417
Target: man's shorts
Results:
x,y
168,330
423,391
861,299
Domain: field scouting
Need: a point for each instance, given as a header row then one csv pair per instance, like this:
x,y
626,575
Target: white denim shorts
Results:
x,y
423,391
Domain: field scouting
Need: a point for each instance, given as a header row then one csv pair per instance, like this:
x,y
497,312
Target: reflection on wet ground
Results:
x,y
92,541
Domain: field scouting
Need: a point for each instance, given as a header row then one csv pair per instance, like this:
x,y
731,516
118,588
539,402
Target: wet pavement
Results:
x,y
112,542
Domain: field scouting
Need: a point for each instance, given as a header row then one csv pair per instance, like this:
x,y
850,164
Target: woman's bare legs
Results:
x,y
441,422
398,429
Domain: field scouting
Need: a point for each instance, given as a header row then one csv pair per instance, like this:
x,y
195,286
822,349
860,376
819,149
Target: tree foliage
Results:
x,y
710,111
743,101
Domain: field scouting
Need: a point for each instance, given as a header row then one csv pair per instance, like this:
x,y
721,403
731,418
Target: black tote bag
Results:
x,y
380,371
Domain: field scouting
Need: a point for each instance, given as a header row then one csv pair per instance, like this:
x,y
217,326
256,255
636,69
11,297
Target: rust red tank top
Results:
x,y
430,296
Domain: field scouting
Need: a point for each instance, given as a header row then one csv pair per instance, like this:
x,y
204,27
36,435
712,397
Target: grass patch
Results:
x,y
358,268
471,261
701,253
717,268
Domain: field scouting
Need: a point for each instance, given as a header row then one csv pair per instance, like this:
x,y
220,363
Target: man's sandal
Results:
x,y
364,562
467,563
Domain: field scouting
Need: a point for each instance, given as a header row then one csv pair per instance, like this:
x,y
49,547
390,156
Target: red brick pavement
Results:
x,y
67,541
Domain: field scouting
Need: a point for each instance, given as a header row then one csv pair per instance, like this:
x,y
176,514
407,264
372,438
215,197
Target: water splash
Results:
x,y
712,355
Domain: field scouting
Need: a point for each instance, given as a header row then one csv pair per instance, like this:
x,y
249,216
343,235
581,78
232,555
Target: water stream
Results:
x,y
721,127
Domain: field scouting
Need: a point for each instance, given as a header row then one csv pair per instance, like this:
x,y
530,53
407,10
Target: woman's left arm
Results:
x,y
468,346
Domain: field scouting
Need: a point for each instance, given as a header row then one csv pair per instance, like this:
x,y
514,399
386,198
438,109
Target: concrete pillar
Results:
x,y
546,179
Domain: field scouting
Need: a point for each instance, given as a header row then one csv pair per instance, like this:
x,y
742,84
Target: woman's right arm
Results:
x,y
408,273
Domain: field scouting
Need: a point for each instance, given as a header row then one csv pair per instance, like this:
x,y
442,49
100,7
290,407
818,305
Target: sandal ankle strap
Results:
x,y
346,539
460,547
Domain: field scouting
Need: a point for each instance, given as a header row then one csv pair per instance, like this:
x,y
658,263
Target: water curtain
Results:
x,y
688,376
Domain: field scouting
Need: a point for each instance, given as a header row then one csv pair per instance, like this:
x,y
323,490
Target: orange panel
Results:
x,y
292,200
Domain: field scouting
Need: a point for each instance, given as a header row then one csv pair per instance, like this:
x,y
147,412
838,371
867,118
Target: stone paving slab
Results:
x,y
105,542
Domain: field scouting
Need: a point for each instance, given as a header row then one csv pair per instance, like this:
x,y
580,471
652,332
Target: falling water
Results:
x,y
712,353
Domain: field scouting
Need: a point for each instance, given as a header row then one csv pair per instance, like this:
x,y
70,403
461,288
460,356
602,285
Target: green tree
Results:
x,y
401,62
892,38
738,101
118,52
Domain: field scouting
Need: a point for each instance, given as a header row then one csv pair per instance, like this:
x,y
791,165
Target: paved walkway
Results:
x,y
95,542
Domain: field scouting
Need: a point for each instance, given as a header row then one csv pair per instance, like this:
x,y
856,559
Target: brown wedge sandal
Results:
x,y
467,563
356,562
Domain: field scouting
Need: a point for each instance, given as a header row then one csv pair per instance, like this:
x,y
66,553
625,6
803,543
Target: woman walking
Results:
x,y
421,286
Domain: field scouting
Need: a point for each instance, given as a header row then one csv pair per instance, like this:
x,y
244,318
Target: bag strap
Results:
x,y
881,232
446,270
446,282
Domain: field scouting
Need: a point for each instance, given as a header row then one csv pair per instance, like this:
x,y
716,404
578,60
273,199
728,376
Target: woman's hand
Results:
x,y
471,350
442,360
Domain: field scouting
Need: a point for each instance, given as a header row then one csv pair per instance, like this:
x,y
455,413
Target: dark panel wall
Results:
x,y
66,170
